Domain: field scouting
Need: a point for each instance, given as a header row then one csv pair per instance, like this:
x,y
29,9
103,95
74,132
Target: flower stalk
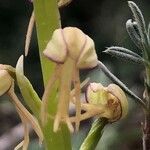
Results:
x,y
94,134
47,20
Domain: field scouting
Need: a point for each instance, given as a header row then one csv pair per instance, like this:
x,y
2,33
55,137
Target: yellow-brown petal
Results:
x,y
119,93
56,49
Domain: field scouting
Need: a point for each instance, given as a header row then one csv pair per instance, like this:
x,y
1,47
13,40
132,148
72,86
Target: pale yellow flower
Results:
x,y
71,50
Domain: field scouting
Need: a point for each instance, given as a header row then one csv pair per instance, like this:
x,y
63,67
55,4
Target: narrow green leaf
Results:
x,y
94,134
134,33
124,54
30,96
124,50
139,19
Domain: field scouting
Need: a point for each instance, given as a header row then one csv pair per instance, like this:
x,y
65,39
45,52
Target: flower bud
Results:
x,y
5,81
72,42
112,100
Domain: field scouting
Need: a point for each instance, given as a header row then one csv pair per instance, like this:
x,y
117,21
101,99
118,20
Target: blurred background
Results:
x,y
104,21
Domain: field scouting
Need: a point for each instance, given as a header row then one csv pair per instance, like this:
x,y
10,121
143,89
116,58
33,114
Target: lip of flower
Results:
x,y
112,98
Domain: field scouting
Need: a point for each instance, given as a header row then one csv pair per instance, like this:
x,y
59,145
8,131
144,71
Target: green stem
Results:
x,y
94,134
47,20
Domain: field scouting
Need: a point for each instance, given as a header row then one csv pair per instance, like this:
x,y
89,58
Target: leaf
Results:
x,y
124,54
134,33
30,96
138,16
125,50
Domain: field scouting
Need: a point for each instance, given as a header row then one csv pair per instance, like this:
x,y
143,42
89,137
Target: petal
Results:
x,y
88,57
56,48
96,94
75,40
118,92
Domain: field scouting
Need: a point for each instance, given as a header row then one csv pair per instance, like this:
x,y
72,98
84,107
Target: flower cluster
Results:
x,y
73,50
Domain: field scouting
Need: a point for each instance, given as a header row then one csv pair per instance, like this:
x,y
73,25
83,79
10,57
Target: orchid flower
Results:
x,y
7,76
71,50
104,102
